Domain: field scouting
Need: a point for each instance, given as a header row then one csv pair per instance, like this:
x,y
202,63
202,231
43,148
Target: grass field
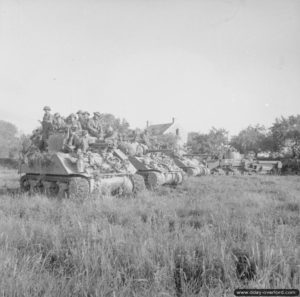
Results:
x,y
207,237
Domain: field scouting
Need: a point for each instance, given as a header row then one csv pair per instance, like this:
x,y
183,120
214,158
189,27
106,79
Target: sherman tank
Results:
x,y
156,167
76,173
190,165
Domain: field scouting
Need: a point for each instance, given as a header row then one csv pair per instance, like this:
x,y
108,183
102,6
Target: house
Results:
x,y
169,128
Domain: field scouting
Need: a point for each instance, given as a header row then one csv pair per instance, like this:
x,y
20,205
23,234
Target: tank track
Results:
x,y
61,186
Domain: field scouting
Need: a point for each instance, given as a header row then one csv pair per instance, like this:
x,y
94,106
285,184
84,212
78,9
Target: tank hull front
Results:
x,y
154,179
52,164
191,169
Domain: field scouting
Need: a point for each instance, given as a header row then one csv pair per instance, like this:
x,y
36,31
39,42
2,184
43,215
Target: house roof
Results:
x,y
159,129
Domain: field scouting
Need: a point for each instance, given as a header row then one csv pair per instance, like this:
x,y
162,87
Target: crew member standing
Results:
x,y
47,126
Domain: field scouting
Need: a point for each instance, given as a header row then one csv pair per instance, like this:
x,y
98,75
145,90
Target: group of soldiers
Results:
x,y
80,128
80,122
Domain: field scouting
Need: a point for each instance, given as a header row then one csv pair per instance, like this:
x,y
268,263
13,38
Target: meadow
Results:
x,y
206,237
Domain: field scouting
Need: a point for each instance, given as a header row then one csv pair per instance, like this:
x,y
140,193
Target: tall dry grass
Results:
x,y
206,238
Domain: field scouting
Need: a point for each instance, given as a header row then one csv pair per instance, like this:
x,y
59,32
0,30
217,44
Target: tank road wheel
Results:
x,y
138,184
51,188
79,188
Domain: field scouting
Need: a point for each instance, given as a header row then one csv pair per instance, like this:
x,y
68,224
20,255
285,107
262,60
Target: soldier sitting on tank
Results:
x,y
72,141
144,138
134,145
111,136
59,123
84,120
72,122
81,119
125,145
177,152
95,126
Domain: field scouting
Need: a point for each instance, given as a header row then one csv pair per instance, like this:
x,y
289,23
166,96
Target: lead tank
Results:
x,y
101,169
156,167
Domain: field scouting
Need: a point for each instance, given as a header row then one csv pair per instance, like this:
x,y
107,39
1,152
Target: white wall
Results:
x,y
182,133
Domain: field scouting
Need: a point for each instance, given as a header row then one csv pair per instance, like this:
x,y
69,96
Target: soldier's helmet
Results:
x,y
47,108
97,114
57,115
86,113
70,118
80,112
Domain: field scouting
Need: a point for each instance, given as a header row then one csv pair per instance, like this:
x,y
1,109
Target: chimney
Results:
x,y
173,120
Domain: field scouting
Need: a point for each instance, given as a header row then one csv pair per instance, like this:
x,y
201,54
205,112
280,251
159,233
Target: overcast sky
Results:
x,y
221,63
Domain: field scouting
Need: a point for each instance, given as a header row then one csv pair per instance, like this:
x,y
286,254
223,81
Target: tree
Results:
x,y
166,141
213,143
22,145
198,142
121,126
8,138
252,139
286,134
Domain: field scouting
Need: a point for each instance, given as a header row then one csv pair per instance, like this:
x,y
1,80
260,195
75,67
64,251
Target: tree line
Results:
x,y
281,139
